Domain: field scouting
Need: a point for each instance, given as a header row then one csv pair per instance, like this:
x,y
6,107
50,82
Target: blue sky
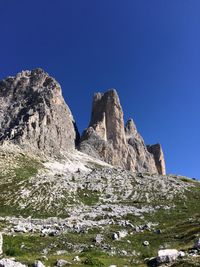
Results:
x,y
148,50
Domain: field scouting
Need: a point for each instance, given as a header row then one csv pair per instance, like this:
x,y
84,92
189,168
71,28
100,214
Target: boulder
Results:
x,y
115,236
20,228
167,255
146,243
61,263
76,259
38,264
122,234
10,263
98,239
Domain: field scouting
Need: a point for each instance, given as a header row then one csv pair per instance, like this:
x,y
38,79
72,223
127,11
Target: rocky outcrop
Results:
x,y
34,115
158,154
167,256
140,159
10,263
108,139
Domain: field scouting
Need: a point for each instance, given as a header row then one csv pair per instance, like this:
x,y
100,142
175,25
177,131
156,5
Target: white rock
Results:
x,y
61,252
167,255
124,252
39,264
146,243
77,259
112,265
98,239
181,254
20,229
10,263
61,263
122,234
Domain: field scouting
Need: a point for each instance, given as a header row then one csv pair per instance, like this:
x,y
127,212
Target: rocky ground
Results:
x,y
75,206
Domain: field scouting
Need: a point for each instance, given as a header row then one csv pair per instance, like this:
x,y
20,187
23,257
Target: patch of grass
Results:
x,y
93,262
87,197
15,170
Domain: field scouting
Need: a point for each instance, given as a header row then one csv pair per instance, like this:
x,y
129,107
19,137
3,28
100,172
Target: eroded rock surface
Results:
x,y
34,115
158,154
108,139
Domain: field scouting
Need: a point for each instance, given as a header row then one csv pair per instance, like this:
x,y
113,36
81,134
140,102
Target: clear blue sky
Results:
x,y
148,50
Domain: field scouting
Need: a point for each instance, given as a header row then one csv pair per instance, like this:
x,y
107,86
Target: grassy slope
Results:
x,y
178,227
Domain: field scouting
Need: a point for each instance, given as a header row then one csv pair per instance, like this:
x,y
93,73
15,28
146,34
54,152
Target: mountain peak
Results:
x,y
34,115
115,143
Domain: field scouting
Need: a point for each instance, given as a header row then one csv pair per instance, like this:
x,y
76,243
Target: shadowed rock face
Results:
x,y
157,152
140,159
108,139
34,115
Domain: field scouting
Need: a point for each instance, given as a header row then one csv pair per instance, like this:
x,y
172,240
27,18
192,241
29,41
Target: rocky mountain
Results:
x,y
34,115
110,206
108,139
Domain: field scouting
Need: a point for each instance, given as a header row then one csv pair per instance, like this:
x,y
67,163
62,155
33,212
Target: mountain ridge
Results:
x,y
110,206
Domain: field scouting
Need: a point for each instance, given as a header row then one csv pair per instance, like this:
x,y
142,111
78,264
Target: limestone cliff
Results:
x,y
34,115
107,137
158,154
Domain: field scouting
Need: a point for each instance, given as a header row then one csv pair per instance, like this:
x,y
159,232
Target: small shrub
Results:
x,y
93,262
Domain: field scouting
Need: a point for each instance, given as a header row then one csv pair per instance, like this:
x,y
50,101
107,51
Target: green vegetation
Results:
x,y
15,172
88,197
176,221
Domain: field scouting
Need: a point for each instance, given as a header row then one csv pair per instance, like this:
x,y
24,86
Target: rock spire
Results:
x,y
108,139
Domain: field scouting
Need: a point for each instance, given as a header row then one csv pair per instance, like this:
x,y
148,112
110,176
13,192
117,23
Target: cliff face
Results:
x,y
158,154
34,115
109,139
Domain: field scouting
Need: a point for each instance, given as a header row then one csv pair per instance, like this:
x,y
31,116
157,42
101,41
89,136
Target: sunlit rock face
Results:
x,y
34,115
107,137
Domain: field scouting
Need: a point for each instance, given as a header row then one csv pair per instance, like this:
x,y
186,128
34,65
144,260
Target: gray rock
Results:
x,y
158,154
38,264
122,234
10,263
146,243
167,256
34,115
76,259
20,229
98,239
108,139
61,263
115,236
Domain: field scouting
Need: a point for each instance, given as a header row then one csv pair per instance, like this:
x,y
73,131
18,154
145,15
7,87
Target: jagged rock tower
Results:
x,y
108,139
34,115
